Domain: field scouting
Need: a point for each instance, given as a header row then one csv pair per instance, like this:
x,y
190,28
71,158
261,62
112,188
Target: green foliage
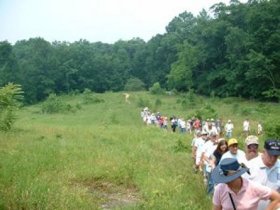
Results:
x,y
181,73
11,96
156,89
234,52
246,111
180,146
55,104
273,94
188,99
89,160
143,102
90,98
157,104
134,84
272,128
263,108
207,111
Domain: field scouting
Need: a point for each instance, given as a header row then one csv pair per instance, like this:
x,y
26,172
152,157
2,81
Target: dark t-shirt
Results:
x,y
218,156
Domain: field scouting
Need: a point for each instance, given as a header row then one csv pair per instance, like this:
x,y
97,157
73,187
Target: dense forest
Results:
x,y
234,50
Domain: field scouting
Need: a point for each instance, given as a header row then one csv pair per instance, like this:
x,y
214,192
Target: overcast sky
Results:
x,y
94,20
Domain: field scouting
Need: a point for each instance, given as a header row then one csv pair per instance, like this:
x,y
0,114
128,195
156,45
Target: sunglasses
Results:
x,y
253,146
232,172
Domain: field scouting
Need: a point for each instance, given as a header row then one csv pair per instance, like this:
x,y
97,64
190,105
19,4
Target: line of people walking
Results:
x,y
188,126
236,178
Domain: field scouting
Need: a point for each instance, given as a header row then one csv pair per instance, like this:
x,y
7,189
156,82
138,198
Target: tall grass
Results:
x,y
104,157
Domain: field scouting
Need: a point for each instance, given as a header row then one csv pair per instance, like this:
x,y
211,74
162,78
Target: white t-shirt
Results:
x,y
246,125
229,127
208,149
269,177
240,156
199,142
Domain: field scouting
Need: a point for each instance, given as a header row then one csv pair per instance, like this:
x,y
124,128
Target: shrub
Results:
x,y
134,84
189,99
54,104
246,111
156,89
90,98
157,103
272,128
11,96
180,146
143,102
206,112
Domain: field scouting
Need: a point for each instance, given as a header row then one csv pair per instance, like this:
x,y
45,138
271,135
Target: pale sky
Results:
x,y
94,20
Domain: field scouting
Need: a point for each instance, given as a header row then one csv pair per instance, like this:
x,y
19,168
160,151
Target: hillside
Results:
x,y
102,156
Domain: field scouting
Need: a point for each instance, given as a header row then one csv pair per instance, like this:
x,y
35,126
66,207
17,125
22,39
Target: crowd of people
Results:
x,y
193,124
235,177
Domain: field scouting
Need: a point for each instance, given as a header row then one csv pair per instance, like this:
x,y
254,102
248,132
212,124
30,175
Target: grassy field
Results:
x,y
102,156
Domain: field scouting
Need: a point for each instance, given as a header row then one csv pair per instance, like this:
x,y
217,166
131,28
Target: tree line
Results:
x,y
233,50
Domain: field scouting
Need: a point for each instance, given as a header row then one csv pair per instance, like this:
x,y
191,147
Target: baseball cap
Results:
x,y
272,146
232,141
204,133
251,140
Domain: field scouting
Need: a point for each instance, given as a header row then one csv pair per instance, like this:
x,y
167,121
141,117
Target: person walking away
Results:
x,y
174,123
237,193
246,127
208,149
265,169
260,129
197,149
229,129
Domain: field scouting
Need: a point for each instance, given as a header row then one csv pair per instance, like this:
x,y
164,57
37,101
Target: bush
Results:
x,y
272,128
180,146
54,104
143,102
134,84
157,103
206,112
11,96
188,99
90,98
156,89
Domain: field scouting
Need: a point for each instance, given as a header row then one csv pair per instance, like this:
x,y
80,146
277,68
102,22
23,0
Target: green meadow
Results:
x,y
102,156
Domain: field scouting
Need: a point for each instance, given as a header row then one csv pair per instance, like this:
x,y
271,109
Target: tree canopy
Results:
x,y
233,50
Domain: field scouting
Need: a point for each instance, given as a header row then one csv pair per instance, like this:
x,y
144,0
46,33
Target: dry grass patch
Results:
x,y
110,195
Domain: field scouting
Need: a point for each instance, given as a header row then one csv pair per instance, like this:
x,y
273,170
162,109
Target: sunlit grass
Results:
x,y
78,160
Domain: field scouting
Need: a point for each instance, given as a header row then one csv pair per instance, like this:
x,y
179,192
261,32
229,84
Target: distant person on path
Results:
x,y
126,97
174,123
207,153
198,143
265,169
218,125
229,129
246,127
260,129
236,193
197,125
